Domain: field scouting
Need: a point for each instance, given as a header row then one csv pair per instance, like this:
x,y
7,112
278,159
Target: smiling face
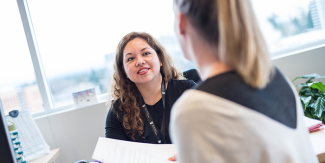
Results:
x,y
141,62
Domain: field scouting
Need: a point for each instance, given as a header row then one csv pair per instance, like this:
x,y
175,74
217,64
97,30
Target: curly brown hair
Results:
x,y
124,89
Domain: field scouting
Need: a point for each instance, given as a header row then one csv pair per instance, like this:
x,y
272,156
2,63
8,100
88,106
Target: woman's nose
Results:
x,y
140,62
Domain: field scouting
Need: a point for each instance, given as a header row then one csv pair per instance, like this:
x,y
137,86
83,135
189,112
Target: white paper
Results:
x,y
117,151
31,139
311,122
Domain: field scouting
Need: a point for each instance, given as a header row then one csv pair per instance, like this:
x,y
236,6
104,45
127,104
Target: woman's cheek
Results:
x,y
127,71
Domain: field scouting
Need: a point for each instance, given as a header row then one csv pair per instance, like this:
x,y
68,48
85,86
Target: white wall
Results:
x,y
307,62
76,132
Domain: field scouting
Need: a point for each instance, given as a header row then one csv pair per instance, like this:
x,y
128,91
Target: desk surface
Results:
x,y
49,158
318,141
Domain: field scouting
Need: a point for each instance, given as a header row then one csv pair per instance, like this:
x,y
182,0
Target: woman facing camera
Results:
x,y
244,111
145,86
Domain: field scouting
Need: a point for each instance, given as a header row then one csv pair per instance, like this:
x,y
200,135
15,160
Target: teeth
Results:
x,y
143,70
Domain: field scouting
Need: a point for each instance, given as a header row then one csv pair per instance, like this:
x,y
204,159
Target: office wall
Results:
x,y
302,63
76,132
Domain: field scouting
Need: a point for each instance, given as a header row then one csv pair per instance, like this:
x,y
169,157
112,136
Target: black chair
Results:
x,y
192,74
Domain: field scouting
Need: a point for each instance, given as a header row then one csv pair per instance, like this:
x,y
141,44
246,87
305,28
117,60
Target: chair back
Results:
x,y
192,74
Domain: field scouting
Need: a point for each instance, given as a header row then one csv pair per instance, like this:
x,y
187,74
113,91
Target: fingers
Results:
x,y
172,158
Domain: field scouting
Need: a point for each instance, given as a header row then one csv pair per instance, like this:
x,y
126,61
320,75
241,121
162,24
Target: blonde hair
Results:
x,y
125,90
230,27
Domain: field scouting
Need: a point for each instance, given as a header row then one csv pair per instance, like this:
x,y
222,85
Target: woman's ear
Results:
x,y
182,23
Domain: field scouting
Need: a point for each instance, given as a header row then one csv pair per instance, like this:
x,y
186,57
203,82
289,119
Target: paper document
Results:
x,y
32,141
118,151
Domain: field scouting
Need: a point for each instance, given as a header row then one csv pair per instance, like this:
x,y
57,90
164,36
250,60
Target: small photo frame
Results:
x,y
85,97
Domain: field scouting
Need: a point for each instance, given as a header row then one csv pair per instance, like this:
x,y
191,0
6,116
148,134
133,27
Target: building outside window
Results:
x,y
291,24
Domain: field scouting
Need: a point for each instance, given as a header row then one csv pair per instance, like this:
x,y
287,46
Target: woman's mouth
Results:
x,y
143,71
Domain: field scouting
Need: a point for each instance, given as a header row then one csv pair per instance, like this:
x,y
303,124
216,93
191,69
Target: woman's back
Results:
x,y
226,120
245,110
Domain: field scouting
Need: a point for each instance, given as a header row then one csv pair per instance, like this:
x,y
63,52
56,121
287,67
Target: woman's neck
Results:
x,y
210,68
206,61
151,91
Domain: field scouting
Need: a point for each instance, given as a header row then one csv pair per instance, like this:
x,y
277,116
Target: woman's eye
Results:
x,y
130,59
147,53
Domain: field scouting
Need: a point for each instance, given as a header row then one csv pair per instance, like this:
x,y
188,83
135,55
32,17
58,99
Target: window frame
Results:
x,y
40,75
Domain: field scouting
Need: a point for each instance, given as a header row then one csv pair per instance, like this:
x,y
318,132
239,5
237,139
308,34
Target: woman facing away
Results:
x,y
145,86
244,110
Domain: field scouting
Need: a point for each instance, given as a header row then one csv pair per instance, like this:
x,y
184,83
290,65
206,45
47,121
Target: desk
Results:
x,y
49,158
318,141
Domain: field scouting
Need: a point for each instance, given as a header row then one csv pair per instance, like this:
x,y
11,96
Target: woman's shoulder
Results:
x,y
115,107
176,88
185,84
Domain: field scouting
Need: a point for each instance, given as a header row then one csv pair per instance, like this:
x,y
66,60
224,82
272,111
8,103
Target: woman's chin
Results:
x,y
143,81
187,56
146,78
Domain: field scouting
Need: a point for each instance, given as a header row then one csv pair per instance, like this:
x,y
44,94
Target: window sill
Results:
x,y
297,50
41,114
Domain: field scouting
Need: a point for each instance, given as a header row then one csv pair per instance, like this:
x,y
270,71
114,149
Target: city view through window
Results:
x,y
291,23
77,48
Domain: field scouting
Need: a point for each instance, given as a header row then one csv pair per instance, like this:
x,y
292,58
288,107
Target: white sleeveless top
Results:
x,y
206,128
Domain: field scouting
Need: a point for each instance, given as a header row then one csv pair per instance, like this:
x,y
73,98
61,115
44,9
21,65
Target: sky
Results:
x,y
74,35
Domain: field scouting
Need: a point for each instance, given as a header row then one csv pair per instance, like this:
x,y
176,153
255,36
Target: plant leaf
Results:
x,y
305,100
309,81
309,76
319,106
318,85
296,78
323,117
302,85
308,114
304,91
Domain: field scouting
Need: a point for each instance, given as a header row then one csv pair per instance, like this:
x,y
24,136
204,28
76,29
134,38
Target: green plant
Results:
x,y
312,96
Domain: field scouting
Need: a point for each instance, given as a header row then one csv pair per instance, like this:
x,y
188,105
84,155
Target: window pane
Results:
x,y
290,23
77,39
18,89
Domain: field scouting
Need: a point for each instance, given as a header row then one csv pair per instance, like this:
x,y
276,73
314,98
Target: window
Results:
x,y
18,88
291,24
74,41
77,40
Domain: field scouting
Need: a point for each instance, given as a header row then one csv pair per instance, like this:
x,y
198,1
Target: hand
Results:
x,y
172,158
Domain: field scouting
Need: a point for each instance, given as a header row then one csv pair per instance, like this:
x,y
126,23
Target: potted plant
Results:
x,y
312,96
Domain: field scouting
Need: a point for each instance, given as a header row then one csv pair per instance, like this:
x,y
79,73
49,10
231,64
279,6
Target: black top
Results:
x,y
114,125
276,100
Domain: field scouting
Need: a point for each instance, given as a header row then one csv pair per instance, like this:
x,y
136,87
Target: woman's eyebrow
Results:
x,y
127,54
144,48
131,53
